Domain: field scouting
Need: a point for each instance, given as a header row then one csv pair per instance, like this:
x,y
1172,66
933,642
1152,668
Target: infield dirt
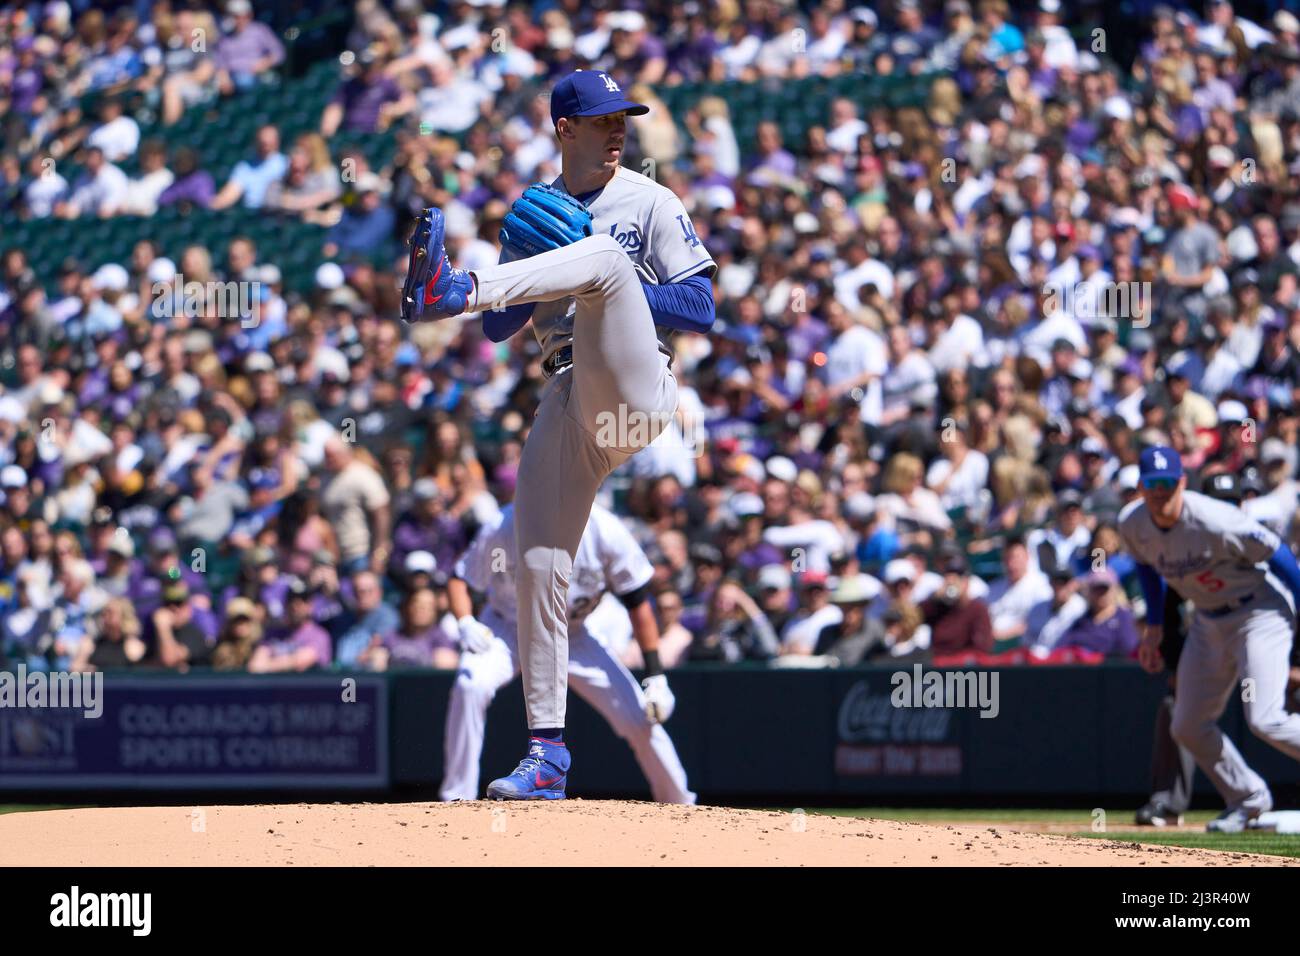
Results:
x,y
574,832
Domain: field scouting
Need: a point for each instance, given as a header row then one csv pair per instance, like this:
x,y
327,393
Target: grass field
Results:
x,y
25,808
1079,823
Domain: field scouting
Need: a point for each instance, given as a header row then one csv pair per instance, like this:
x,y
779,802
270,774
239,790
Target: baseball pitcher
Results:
x,y
1236,573
608,559
600,260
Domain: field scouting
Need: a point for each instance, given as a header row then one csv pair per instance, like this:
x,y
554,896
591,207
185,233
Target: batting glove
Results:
x,y
475,637
659,698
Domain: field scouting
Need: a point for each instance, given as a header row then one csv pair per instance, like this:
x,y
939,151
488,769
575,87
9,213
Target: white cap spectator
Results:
x,y
782,468
421,562
111,277
899,569
774,576
161,269
13,476
1221,156
329,276
859,506
855,589
259,362
11,410
1232,410
1118,107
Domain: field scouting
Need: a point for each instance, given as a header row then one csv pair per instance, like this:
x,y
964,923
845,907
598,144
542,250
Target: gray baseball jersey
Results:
x,y
653,228
1214,555
609,559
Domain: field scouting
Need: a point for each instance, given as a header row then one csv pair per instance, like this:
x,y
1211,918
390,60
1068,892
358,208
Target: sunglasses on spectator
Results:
x,y
1159,484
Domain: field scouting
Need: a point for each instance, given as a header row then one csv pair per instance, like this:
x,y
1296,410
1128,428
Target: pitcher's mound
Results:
x,y
573,832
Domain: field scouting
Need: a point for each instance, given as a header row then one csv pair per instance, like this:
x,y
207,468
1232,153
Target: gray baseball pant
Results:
x,y
1248,649
1172,766
616,399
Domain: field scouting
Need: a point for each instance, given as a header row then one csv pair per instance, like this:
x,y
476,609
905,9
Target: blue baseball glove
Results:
x,y
544,218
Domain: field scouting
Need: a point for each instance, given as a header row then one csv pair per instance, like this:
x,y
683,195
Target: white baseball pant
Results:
x,y
598,677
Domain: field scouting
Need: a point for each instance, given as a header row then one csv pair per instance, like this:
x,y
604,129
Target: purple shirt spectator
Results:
x,y
240,52
416,650
361,101
196,188
309,634
1116,636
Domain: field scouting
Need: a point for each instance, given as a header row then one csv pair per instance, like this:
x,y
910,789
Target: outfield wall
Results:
x,y
1057,733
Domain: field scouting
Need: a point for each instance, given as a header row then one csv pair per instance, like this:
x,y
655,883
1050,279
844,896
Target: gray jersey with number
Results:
x,y
654,229
1214,555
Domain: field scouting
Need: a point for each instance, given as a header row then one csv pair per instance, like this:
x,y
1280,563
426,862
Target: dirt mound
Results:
x,y
575,832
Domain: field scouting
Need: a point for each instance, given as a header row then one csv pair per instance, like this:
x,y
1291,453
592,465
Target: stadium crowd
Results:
x,y
944,332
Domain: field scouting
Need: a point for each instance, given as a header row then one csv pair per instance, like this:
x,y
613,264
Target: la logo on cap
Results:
x,y
610,84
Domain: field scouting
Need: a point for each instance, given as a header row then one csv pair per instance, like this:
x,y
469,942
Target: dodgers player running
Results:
x,y
608,558
596,305
1236,573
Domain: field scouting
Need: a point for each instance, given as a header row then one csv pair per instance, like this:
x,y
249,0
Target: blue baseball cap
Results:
x,y
590,93
1159,461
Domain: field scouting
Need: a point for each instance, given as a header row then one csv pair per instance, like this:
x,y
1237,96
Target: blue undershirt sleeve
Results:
x,y
686,306
1153,590
1283,564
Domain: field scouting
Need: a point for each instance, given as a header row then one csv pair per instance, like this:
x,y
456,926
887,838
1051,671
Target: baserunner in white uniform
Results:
x,y
608,560
1244,584
617,259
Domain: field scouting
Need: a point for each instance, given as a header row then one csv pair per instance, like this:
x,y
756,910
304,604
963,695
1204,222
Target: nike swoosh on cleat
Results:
x,y
546,783
428,289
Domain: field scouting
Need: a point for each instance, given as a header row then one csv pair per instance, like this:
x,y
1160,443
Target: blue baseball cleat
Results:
x,y
540,776
433,289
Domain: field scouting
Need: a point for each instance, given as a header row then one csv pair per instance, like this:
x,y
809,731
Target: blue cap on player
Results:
x,y
590,93
1159,461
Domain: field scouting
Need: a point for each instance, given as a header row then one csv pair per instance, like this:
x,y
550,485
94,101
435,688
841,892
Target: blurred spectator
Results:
x,y
192,186
735,629
298,643
118,135
1013,596
420,640
370,619
1048,620
114,643
357,504
189,73
311,181
957,621
1055,545
240,634
99,191
1105,627
251,178
46,189
249,50
857,636
178,642
366,226
366,102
